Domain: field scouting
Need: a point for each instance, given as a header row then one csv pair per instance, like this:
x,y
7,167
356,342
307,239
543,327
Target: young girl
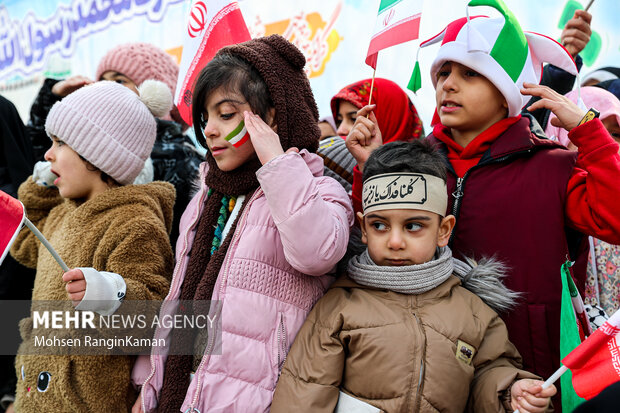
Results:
x,y
113,235
259,235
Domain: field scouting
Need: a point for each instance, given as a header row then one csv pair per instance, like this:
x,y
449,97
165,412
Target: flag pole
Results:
x,y
372,83
46,243
554,377
588,6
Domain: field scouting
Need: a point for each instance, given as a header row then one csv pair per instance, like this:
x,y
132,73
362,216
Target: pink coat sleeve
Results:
x,y
313,213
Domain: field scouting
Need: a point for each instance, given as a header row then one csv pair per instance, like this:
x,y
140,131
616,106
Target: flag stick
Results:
x,y
46,244
589,4
554,377
372,83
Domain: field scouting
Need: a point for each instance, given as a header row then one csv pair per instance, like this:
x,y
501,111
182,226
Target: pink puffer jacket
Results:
x,y
293,230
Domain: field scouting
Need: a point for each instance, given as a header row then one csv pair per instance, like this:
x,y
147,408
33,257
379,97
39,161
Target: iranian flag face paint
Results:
x,y
238,136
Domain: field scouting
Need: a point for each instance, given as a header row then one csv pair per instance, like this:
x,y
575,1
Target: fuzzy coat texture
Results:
x,y
398,352
122,230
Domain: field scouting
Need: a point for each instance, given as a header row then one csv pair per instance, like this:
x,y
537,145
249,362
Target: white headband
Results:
x,y
404,190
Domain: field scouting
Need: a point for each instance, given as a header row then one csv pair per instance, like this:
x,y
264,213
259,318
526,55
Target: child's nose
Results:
x,y
49,154
396,241
450,83
210,130
343,129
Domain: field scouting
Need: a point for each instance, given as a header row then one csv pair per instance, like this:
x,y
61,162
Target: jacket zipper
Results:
x,y
460,186
420,388
282,344
211,343
174,276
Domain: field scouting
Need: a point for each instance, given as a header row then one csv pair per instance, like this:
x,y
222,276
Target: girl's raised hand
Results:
x,y
365,136
265,141
76,285
70,85
568,114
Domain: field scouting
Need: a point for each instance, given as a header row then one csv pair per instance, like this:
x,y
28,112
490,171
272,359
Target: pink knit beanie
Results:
x,y
110,126
140,61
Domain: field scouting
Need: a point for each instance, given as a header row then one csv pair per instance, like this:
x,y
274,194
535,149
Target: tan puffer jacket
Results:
x,y
444,350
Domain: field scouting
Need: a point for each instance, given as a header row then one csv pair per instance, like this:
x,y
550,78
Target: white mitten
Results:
x,y
42,174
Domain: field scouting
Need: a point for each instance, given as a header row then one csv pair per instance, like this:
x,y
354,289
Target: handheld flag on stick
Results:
x,y
595,363
208,30
12,217
398,21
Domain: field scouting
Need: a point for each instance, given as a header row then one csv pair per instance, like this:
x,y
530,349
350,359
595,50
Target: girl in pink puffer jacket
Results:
x,y
258,238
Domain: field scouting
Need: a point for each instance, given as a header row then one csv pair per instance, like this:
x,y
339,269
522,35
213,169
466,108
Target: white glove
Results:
x,y
104,291
42,174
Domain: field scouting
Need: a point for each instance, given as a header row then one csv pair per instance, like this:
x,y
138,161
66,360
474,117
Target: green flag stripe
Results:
x,y
569,339
510,49
235,132
386,4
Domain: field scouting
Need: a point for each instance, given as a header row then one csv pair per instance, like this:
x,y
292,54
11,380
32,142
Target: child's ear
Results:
x,y
360,219
445,229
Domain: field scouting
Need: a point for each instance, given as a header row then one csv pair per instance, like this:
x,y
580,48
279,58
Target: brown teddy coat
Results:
x,y
122,230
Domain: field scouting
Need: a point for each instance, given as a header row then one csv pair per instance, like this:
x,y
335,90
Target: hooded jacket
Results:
x,y
122,230
269,281
443,350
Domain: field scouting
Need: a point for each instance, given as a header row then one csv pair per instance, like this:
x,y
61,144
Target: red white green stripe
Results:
x,y
398,21
239,136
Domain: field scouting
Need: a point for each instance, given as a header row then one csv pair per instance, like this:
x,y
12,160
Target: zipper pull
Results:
x,y
458,193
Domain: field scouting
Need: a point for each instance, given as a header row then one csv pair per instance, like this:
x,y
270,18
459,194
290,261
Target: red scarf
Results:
x,y
397,117
461,158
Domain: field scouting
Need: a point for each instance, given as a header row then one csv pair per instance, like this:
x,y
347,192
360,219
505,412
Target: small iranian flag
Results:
x,y
211,25
239,136
12,215
398,21
595,363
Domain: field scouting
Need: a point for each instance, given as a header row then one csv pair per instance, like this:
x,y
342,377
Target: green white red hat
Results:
x,y
498,49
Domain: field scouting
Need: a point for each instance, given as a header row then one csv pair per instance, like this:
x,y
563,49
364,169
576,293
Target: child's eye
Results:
x,y
379,226
59,142
443,73
412,226
120,81
472,73
227,116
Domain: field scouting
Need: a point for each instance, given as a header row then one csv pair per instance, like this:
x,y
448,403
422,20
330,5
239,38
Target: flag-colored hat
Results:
x,y
498,49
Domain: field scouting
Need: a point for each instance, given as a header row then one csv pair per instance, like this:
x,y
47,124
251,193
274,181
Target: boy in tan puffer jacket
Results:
x,y
402,332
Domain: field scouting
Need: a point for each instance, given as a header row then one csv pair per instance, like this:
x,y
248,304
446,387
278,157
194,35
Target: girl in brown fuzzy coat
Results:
x,y
112,234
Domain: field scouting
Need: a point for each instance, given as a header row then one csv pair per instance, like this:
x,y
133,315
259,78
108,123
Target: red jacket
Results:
x,y
515,204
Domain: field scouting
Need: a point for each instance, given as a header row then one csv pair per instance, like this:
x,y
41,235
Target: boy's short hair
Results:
x,y
417,156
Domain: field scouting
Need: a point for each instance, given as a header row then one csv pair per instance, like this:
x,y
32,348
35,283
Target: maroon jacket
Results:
x,y
511,205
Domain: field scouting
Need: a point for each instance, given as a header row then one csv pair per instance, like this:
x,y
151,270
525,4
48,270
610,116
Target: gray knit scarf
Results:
x,y
407,279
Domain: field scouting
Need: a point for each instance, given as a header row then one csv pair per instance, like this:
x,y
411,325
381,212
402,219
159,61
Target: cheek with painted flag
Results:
x,y
238,136
12,215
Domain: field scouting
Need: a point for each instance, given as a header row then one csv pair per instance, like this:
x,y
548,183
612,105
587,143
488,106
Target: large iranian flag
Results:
x,y
398,21
212,24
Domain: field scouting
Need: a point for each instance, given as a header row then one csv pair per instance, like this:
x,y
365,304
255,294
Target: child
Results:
x,y
174,156
513,192
113,235
279,226
400,332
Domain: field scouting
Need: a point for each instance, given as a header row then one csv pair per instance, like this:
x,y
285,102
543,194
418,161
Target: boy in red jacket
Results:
x,y
512,191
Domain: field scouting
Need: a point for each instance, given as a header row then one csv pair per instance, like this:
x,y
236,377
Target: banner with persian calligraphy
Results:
x,y
61,38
